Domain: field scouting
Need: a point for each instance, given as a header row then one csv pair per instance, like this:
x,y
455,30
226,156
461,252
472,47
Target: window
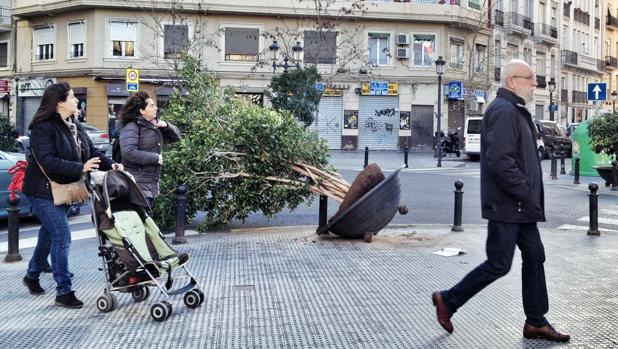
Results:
x,y
175,40
498,54
379,52
528,55
424,47
44,43
512,51
457,54
540,64
76,39
541,13
123,36
242,44
552,64
475,4
481,58
4,54
554,13
320,47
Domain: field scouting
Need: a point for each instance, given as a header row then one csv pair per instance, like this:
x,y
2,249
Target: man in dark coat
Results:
x,y
512,202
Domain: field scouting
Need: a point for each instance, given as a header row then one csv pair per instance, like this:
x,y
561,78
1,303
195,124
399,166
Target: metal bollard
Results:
x,y
405,157
323,211
576,180
614,175
181,206
594,209
562,169
366,157
554,166
458,205
13,227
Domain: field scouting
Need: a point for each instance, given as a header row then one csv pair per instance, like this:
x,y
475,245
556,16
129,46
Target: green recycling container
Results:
x,y
588,159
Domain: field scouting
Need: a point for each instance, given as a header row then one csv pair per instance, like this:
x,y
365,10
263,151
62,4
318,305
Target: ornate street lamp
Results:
x,y
551,87
614,96
439,70
274,56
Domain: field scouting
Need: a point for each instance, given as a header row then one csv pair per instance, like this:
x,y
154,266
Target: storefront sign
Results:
x,y
331,92
4,87
379,88
455,90
34,87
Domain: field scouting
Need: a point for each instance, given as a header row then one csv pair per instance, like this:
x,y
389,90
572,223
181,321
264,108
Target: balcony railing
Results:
x,y
611,21
499,17
497,72
611,62
564,96
579,97
546,29
569,57
521,21
540,81
581,16
441,2
566,9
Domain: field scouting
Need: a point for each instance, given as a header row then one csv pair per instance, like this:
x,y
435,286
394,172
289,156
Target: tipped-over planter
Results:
x,y
606,173
369,214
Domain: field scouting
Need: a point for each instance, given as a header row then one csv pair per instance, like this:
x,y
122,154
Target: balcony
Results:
x,y
611,62
546,33
499,18
579,97
564,96
566,9
581,16
540,81
569,57
497,72
611,22
519,24
597,23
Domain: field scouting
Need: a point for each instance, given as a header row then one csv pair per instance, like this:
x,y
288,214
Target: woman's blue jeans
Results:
x,y
55,234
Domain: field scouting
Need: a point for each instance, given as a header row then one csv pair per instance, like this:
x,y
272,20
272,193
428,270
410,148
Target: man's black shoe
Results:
x,y
33,286
69,301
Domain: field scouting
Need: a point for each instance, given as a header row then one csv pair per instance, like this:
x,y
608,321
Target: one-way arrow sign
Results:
x,y
597,91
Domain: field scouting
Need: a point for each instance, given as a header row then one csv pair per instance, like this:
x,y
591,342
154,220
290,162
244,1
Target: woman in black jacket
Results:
x,y
141,141
61,147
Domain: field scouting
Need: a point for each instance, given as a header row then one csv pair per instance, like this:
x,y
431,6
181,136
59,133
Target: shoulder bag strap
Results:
x,y
38,163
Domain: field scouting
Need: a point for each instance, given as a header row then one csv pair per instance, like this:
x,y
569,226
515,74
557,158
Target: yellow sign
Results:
x,y
378,88
132,80
331,92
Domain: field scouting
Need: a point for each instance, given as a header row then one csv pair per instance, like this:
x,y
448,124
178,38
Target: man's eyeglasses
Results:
x,y
529,77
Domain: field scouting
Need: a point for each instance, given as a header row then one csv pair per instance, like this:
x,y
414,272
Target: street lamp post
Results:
x,y
439,70
274,55
614,96
551,86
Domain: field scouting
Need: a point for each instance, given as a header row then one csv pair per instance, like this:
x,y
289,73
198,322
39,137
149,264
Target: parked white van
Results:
x,y
472,137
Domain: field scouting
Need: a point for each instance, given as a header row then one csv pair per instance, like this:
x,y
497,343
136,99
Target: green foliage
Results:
x,y
295,92
7,134
603,132
229,153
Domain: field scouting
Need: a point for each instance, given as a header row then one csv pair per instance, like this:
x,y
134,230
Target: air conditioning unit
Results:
x,y
403,39
402,53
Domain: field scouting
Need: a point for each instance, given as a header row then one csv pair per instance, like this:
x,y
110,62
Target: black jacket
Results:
x,y
141,142
511,175
53,145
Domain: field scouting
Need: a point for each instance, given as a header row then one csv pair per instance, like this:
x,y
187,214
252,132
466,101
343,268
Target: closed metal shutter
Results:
x,y
30,105
378,122
329,121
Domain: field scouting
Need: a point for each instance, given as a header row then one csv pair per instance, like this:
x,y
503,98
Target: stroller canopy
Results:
x,y
116,187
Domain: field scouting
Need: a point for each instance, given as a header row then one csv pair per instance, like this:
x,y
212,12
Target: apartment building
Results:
x,y
583,57
6,33
379,76
610,50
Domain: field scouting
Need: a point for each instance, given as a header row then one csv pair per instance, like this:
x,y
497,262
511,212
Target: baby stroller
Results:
x,y
134,252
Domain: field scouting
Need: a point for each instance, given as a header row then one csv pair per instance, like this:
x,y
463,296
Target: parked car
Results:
x,y
554,137
100,139
8,160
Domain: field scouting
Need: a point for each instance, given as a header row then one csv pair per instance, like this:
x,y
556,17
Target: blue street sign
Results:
x,y
455,90
132,87
597,91
553,107
319,86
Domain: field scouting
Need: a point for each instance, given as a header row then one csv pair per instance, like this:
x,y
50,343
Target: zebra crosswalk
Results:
x,y
607,219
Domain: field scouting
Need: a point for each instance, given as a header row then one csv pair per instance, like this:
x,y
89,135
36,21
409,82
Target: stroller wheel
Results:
x,y
140,294
159,311
201,294
107,303
169,308
192,299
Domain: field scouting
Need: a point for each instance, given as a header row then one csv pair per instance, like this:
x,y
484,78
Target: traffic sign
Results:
x,y
132,80
597,91
455,90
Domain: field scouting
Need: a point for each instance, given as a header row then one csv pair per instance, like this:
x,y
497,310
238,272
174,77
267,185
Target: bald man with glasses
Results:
x,y
512,201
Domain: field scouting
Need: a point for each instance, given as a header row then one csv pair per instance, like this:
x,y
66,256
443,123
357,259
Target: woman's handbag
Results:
x,y
66,194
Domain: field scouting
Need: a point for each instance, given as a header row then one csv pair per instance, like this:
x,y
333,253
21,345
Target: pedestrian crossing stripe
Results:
x,y
584,228
601,220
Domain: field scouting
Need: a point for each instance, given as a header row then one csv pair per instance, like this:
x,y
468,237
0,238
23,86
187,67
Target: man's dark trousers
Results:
x,y
501,241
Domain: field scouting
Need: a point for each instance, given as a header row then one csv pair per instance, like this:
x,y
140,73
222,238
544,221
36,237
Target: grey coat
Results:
x,y
141,143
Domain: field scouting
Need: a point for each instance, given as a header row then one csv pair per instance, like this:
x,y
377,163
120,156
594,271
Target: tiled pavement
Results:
x,y
287,288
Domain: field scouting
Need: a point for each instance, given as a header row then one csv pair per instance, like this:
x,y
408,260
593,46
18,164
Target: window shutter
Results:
x,y
44,36
76,33
4,54
242,41
123,31
175,37
320,47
